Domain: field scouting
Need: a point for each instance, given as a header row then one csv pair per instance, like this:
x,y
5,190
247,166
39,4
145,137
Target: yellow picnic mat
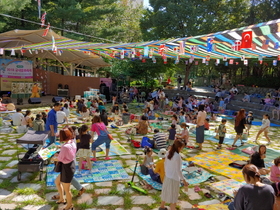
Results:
x,y
218,206
217,162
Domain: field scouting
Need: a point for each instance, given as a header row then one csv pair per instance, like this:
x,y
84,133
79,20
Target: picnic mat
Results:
x,y
227,186
115,149
218,206
101,171
48,152
192,178
217,162
271,154
210,135
259,123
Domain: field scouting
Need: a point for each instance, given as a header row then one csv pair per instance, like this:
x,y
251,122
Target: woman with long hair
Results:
x,y
100,128
253,195
257,159
66,156
173,176
201,117
239,126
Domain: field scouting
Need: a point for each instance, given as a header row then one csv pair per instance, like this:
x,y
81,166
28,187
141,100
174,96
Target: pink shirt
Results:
x,y
274,171
67,152
98,126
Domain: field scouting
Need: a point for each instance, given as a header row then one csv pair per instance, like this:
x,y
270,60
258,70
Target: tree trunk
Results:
x,y
187,73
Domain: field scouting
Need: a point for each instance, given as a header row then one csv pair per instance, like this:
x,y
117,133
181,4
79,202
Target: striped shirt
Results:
x,y
160,140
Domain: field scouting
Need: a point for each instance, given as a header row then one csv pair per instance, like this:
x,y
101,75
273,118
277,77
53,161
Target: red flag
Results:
x,y
43,19
208,58
264,45
247,39
143,60
231,61
46,30
138,54
261,62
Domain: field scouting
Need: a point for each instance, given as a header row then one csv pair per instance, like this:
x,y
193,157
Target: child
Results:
x,y
157,174
213,117
249,119
84,151
101,106
38,123
148,160
172,133
174,119
206,124
184,136
264,128
182,118
222,132
222,105
170,104
114,99
103,116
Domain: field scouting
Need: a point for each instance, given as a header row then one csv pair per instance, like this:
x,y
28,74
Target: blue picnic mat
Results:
x,y
101,171
192,178
258,123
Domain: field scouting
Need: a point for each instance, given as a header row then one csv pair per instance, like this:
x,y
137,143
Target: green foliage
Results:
x,y
267,81
173,18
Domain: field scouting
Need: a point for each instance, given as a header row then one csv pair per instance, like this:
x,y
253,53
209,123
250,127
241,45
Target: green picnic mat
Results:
x,y
271,154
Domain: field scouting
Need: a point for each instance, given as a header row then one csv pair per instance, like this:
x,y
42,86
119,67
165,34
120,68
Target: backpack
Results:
x,y
40,126
145,142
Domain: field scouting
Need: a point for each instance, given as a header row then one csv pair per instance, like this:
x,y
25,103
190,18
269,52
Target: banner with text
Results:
x,y
20,69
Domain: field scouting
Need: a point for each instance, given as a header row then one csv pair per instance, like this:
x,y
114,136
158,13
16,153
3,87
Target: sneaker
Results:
x,y
219,148
93,159
108,158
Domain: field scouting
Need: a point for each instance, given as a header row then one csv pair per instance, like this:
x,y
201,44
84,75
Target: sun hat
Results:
x,y
162,153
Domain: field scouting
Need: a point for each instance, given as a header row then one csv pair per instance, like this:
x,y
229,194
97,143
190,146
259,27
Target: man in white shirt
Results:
x,y
61,117
17,117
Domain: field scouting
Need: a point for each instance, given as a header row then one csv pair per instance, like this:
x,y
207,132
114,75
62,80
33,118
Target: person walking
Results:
x,y
179,82
51,123
173,176
239,126
264,128
201,117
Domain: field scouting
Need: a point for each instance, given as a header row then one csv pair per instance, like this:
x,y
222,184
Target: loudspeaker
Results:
x,y
19,101
57,99
34,100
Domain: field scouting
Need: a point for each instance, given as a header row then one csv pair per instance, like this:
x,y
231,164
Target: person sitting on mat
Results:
x,y
159,139
142,127
157,173
253,195
184,135
257,159
275,171
148,160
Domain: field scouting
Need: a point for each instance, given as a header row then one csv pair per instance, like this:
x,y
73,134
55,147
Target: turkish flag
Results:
x,y
247,39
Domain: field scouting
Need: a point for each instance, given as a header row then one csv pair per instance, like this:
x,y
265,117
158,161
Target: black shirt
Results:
x,y
84,141
256,160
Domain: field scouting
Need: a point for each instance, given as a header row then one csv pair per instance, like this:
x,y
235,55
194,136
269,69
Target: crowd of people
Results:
x,y
75,142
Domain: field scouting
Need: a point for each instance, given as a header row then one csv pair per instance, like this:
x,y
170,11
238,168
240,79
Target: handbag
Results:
x,y
109,135
58,167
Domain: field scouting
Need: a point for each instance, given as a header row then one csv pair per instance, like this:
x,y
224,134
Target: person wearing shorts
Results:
x,y
100,128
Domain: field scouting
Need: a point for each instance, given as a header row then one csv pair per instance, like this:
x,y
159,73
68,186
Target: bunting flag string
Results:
x,y
43,19
46,30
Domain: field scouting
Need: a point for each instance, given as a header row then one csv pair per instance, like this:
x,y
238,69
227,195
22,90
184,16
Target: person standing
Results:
x,y
161,96
173,176
51,123
100,128
66,156
201,117
101,87
240,121
179,82
35,91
